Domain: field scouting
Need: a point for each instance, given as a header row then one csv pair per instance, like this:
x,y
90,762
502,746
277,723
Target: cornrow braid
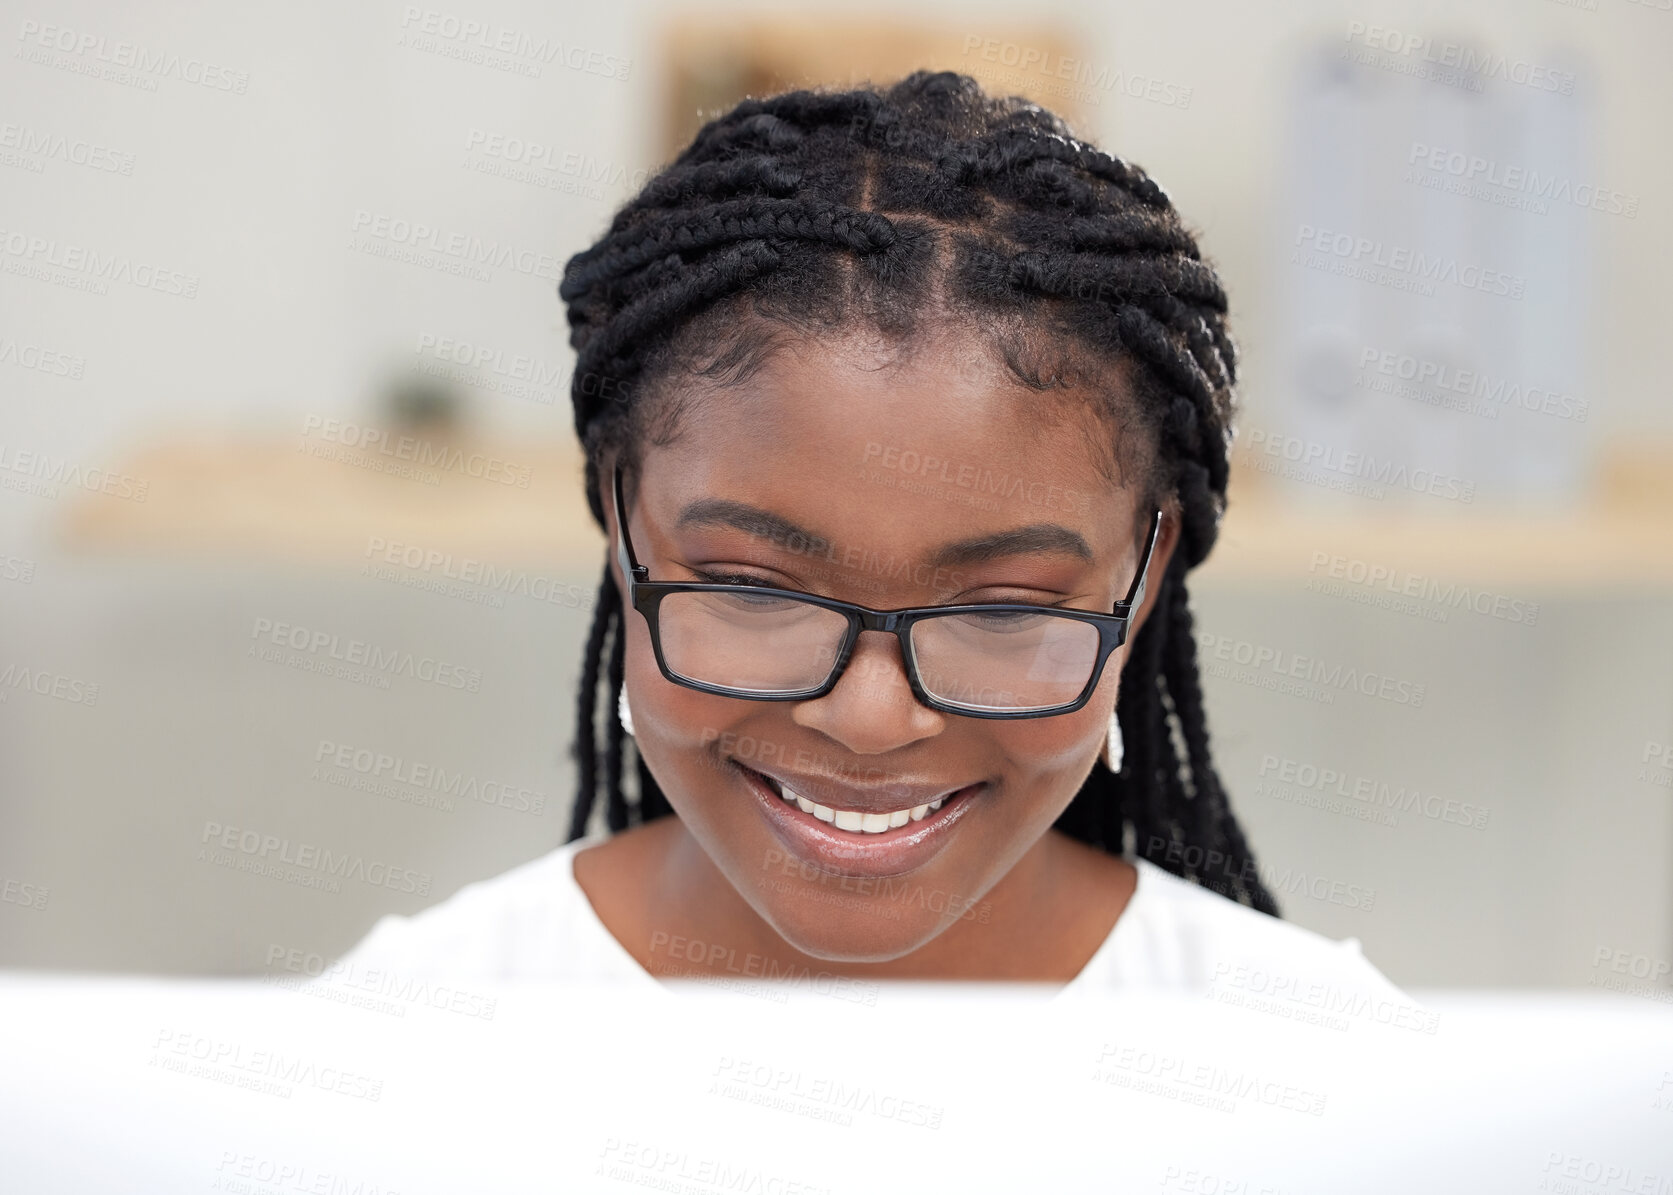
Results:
x,y
812,210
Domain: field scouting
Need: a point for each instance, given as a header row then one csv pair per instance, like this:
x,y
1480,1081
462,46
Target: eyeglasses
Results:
x,y
988,660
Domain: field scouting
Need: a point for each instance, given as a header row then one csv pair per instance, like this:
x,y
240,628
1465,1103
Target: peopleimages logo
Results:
x,y
53,362
46,684
539,155
28,896
1088,78
244,849
233,1063
514,374
1327,998
1451,55
1398,581
468,248
52,472
31,253
42,145
1261,658
500,579
150,64
235,1172
388,661
378,767
1357,256
1439,376
1378,793
1172,1072
424,28
17,568
979,479
818,1097
376,981
1360,467
1473,168
518,367
429,454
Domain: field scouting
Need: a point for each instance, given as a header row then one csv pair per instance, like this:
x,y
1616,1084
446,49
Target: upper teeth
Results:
x,y
865,823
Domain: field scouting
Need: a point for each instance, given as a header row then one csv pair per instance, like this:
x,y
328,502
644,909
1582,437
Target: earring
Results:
x,y
1115,748
624,714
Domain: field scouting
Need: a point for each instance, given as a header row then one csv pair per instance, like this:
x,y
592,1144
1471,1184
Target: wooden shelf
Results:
x,y
1622,536
271,499
267,499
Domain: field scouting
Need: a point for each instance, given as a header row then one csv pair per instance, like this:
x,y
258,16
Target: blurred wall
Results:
x,y
274,183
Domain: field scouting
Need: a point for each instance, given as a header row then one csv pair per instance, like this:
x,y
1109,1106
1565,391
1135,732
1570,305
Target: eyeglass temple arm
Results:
x,y
632,571
1135,596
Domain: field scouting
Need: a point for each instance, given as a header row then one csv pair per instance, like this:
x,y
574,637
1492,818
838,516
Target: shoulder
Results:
x,y
1179,935
530,922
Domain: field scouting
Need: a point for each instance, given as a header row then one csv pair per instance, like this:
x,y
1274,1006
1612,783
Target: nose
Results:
x,y
872,709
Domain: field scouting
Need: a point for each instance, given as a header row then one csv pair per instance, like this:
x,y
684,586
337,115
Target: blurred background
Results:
x,y
292,535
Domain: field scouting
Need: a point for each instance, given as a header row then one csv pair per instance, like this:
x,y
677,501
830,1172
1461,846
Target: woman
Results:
x,y
906,349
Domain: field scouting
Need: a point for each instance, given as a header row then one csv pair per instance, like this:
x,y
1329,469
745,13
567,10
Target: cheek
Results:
x,y
1047,746
1048,759
682,734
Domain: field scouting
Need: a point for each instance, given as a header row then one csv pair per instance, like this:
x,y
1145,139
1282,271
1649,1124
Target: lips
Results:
x,y
891,851
865,823
872,800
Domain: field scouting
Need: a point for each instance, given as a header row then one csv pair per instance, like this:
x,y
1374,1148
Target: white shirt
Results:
x,y
535,923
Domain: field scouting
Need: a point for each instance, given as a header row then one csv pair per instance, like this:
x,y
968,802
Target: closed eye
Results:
x,y
761,602
994,620
1005,621
711,578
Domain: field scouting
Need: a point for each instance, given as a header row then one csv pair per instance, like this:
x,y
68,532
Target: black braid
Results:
x,y
813,210
606,611
614,735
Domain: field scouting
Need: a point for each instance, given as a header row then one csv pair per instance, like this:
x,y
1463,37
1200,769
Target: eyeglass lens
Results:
x,y
997,660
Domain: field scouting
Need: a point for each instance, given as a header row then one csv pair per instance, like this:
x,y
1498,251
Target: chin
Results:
x,y
851,919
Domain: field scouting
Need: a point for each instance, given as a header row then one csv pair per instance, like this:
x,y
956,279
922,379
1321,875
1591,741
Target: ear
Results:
x,y
1167,538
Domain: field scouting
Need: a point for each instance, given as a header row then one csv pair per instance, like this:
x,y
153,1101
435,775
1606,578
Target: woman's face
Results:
x,y
888,480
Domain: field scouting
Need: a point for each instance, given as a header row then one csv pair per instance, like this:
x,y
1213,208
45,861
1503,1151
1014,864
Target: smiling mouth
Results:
x,y
858,821
873,840
853,819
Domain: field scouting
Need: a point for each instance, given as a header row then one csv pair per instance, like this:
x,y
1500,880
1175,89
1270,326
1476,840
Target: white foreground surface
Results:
x,y
124,1085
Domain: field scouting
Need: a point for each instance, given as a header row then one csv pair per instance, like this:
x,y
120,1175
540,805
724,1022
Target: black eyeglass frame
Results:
x,y
645,596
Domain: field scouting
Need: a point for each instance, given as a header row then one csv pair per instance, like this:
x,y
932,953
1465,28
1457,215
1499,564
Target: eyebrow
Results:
x,y
978,549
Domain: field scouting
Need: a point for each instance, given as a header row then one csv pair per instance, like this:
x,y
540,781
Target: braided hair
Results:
x,y
813,211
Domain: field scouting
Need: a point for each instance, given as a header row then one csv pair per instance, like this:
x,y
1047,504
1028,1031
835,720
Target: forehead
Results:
x,y
940,405
898,449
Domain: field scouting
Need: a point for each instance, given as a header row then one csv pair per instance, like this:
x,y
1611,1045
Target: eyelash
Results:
x,y
713,578
731,579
